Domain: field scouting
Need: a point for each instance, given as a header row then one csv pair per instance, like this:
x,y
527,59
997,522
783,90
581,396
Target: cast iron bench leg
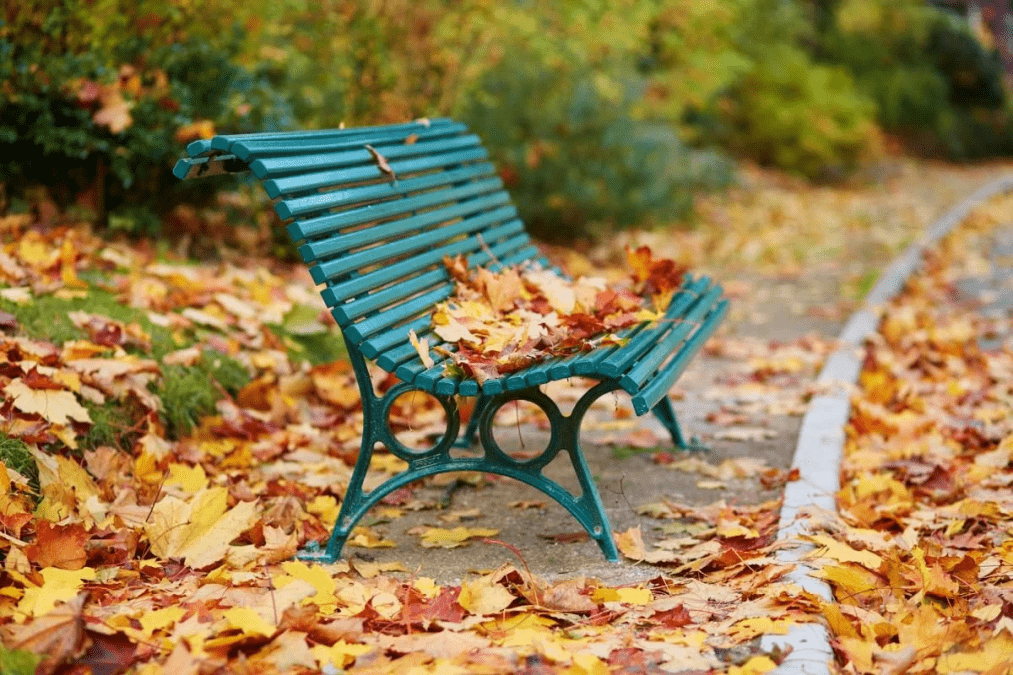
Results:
x,y
664,411
467,439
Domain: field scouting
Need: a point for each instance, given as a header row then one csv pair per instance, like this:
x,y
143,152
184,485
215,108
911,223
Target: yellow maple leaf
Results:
x,y
159,619
368,538
841,552
484,596
339,655
248,621
199,531
189,478
316,576
56,406
57,586
439,537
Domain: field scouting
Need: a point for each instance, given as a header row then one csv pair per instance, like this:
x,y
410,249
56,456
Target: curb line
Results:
x,y
820,443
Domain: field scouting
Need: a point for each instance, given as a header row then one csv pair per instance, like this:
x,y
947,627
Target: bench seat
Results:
x,y
374,211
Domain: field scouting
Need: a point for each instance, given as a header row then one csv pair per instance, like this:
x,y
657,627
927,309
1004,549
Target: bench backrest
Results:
x,y
376,238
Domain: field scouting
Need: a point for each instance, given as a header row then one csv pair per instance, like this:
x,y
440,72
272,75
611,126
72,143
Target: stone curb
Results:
x,y
821,439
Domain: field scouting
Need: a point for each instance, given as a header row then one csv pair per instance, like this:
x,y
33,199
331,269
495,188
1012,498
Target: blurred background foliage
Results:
x,y
599,113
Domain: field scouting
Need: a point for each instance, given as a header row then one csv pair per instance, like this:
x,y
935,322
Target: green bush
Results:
x,y
792,113
575,160
936,85
99,96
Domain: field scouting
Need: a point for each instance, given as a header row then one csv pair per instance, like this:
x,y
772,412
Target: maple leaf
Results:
x,y
199,530
114,113
631,543
484,596
55,406
438,537
58,546
56,635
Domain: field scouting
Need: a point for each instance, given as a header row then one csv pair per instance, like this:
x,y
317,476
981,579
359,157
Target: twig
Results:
x,y
488,251
531,578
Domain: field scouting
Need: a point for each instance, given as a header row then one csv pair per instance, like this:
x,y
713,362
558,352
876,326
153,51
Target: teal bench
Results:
x,y
374,211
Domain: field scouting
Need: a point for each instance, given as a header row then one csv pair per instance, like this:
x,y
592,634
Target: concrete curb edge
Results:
x,y
820,444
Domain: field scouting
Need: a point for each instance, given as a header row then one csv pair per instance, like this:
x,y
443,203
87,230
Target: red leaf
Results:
x,y
672,618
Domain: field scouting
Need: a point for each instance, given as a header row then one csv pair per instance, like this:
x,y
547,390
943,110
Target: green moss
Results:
x,y
187,395
113,424
18,661
625,452
317,348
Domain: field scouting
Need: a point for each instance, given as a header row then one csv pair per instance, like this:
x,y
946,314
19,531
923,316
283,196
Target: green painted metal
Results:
x,y
376,243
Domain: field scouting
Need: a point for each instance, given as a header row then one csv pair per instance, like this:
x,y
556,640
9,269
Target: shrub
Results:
x,y
99,96
800,116
574,160
935,83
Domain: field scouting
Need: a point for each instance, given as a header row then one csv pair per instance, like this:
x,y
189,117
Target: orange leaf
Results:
x,y
58,546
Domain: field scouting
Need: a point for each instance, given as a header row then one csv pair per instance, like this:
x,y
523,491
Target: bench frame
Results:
x,y
696,311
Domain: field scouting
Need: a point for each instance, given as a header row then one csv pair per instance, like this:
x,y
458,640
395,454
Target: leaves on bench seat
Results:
x,y
499,322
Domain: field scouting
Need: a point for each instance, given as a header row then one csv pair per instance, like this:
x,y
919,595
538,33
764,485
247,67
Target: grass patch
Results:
x,y
189,393
113,424
622,452
317,348
14,454
306,339
45,318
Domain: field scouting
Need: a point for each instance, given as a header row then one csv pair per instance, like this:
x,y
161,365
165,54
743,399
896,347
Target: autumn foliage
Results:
x,y
502,321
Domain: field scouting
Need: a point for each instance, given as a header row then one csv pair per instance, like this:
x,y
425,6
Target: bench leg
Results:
x,y
467,439
665,413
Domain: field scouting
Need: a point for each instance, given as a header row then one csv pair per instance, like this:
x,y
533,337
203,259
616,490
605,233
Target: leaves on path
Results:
x,y
919,558
175,553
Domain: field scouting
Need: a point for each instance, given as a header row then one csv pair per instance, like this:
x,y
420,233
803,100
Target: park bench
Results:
x,y
375,210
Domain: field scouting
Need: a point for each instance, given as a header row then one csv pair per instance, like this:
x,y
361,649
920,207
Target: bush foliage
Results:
x,y
599,113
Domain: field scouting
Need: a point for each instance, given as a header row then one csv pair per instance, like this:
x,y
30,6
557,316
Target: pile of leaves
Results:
x,y
498,322
153,552
920,557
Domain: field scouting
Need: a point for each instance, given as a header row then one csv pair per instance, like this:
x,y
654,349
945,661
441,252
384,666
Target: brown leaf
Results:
x,y
568,596
676,617
631,543
58,546
381,162
56,636
108,654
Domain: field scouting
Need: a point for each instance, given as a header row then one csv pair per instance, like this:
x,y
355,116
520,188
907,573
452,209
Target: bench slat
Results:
x,y
351,310
366,328
272,167
397,335
301,183
356,286
348,197
224,141
650,394
334,268
649,364
620,360
314,227
270,147
337,244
